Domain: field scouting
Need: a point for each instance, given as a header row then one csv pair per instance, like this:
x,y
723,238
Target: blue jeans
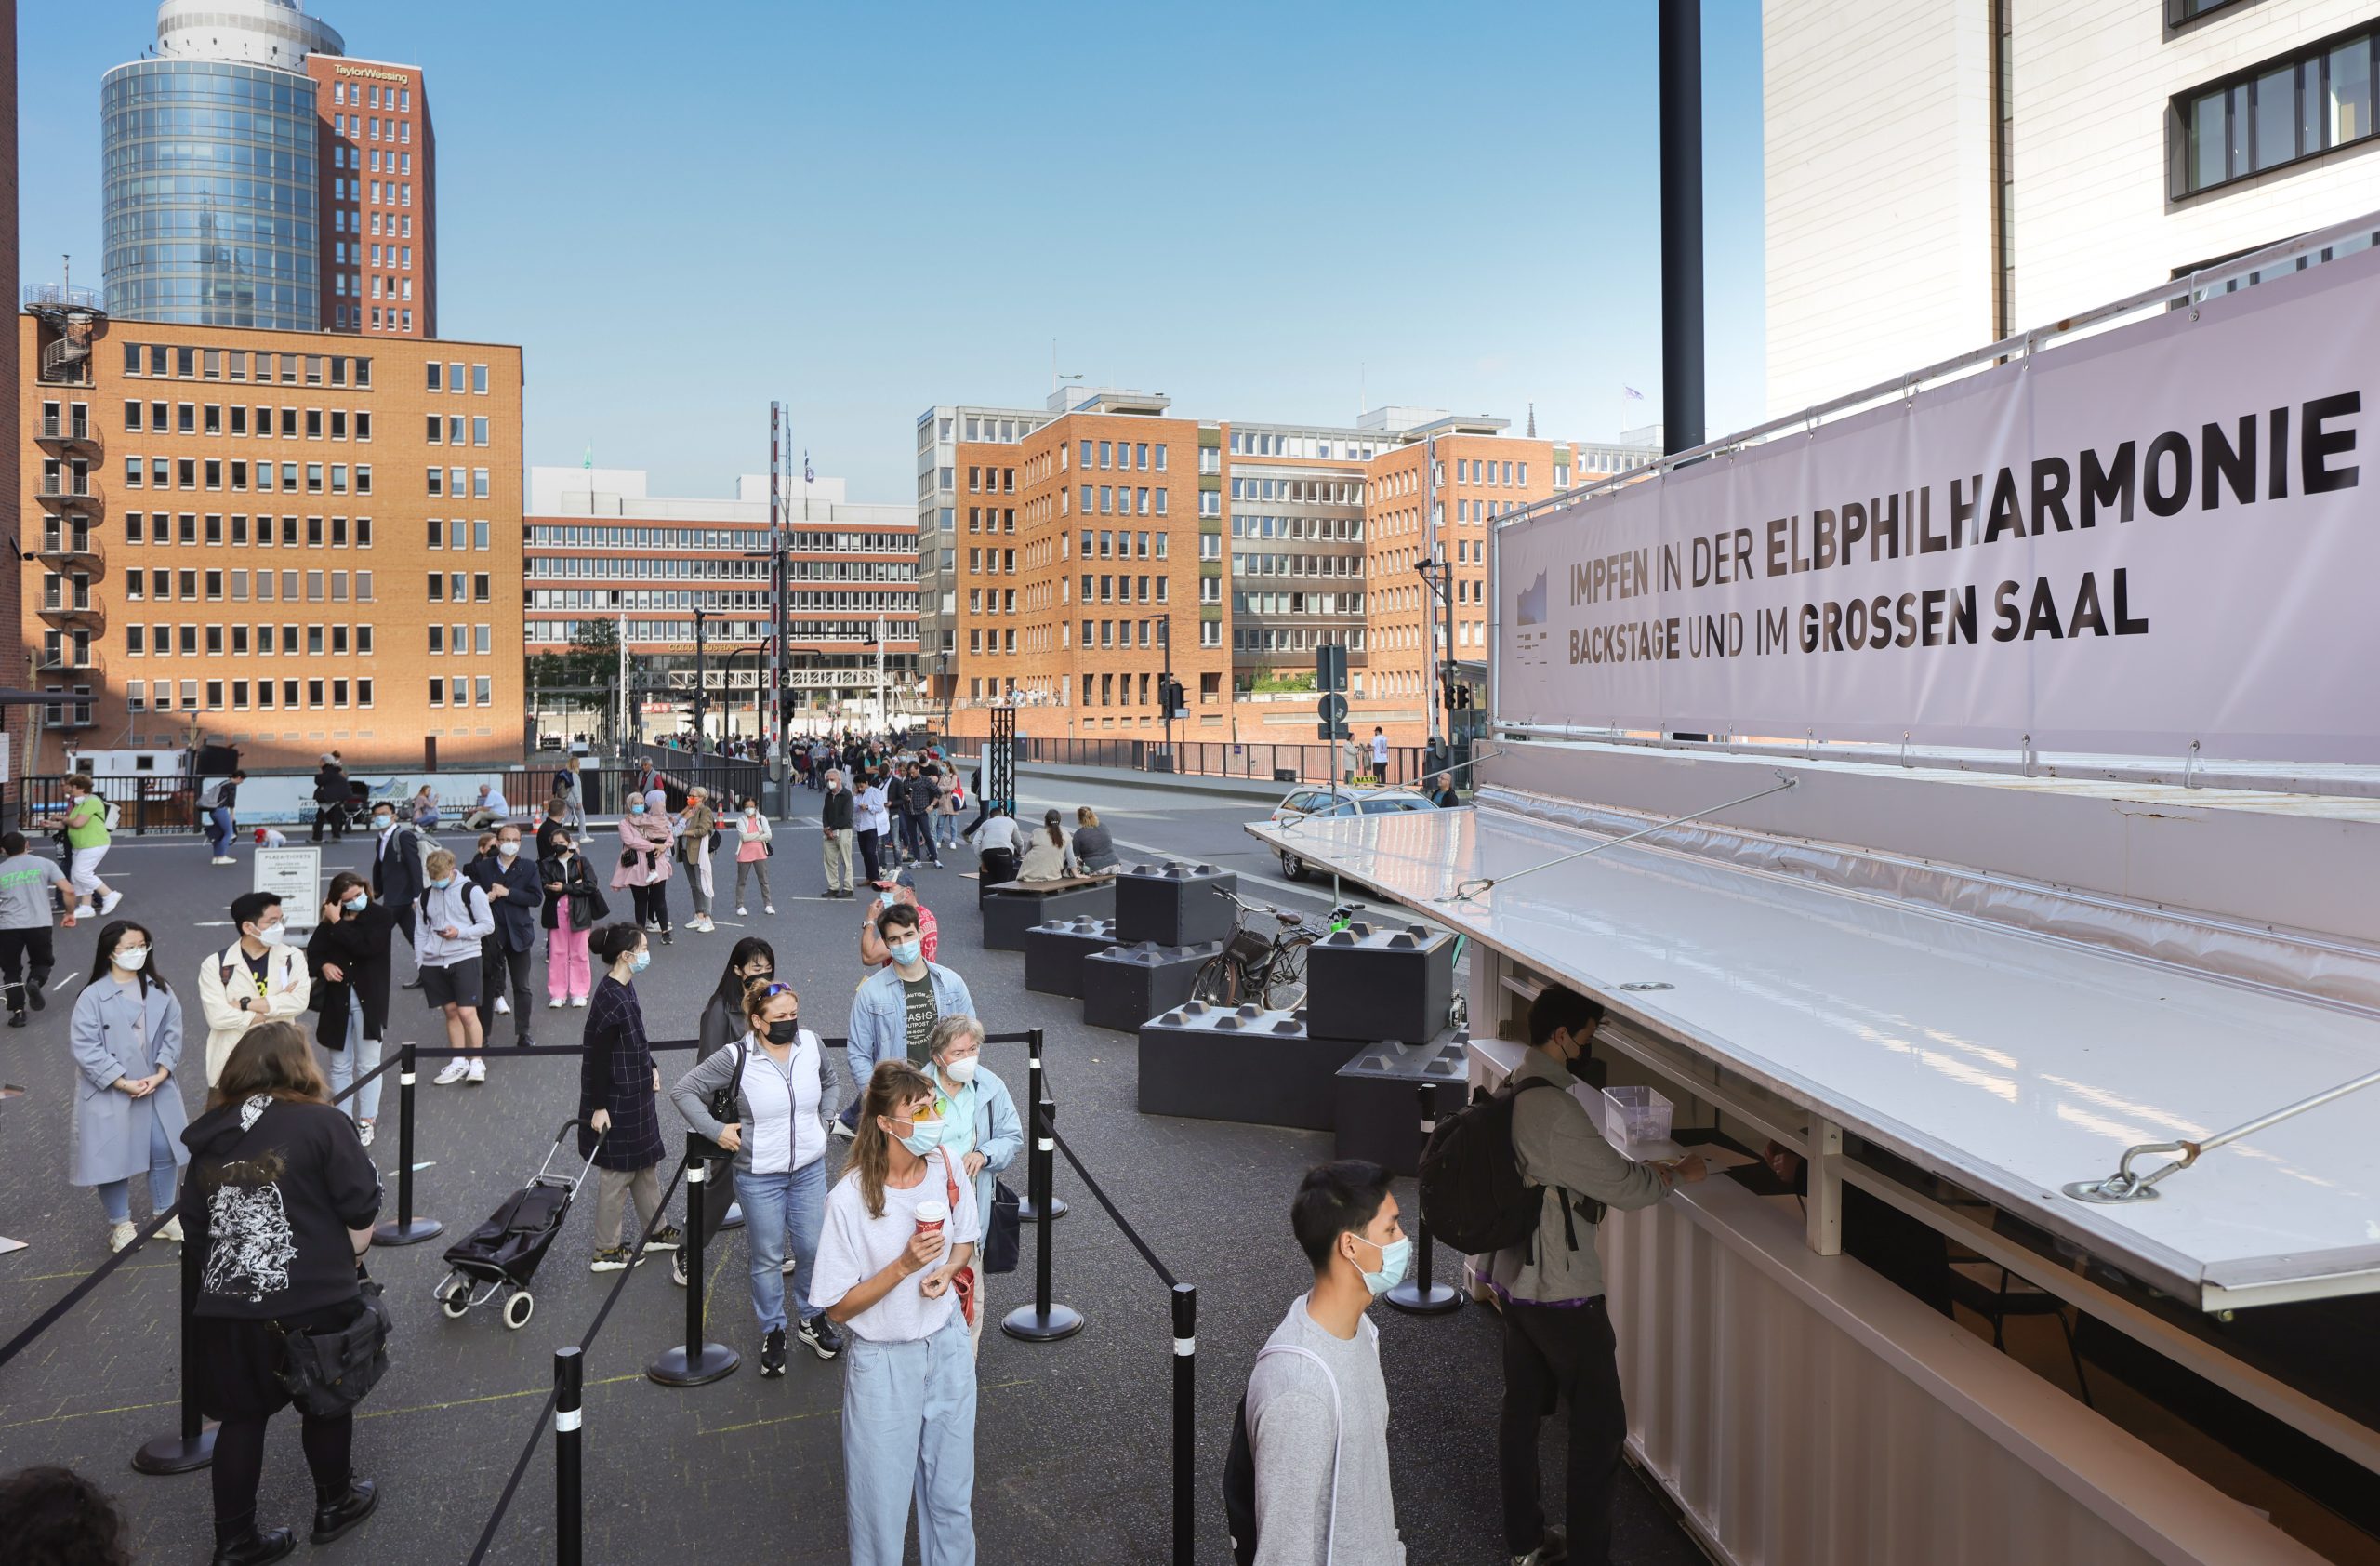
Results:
x,y
784,1207
945,829
115,1196
360,1058
909,1436
219,830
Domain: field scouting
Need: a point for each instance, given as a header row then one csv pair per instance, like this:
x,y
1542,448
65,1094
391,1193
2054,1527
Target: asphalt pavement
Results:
x,y
1073,1439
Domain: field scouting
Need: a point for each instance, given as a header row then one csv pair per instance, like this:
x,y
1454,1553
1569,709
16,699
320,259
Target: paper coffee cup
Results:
x,y
932,1215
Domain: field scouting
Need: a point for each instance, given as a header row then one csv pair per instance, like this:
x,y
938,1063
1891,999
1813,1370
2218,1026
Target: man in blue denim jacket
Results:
x,y
894,1013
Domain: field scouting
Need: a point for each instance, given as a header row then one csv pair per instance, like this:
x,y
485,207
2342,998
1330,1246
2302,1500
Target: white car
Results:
x,y
1310,800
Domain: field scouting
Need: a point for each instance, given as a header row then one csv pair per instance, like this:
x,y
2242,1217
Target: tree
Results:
x,y
593,658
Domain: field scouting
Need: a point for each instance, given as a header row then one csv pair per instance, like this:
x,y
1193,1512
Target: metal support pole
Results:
x,y
1185,1424
1822,1217
192,1446
408,1230
695,1362
1417,1295
1042,1321
1681,132
569,1370
1036,1195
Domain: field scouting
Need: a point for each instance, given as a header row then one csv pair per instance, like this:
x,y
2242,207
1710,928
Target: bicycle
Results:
x,y
1266,966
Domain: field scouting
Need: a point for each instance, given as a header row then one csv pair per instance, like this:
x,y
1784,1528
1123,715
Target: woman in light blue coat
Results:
x,y
126,1035
979,1125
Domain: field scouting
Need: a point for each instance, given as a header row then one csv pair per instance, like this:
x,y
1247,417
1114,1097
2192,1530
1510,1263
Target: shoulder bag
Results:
x,y
326,1374
963,1281
726,1102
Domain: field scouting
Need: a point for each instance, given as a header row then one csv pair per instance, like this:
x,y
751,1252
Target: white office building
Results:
x,y
1941,174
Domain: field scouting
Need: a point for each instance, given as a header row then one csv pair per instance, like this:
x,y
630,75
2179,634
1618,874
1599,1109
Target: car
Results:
x,y
1313,801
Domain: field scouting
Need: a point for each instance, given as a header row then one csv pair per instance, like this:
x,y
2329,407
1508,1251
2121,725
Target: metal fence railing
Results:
x,y
1316,762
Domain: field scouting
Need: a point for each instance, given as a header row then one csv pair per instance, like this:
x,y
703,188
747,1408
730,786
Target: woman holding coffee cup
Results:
x,y
979,1127
901,1228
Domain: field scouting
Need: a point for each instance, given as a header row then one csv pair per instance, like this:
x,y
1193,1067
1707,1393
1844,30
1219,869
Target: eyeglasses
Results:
x,y
772,991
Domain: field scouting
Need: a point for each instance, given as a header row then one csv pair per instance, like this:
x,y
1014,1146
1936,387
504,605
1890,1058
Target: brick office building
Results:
x,y
379,185
287,540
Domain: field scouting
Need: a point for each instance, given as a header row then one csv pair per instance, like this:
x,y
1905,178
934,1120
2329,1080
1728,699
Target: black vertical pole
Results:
x,y
1042,1321
408,1230
1034,1193
1185,1424
1681,116
695,1362
569,1370
1417,1295
192,1445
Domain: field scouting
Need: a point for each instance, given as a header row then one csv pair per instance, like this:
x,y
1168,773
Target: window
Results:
x,y
2299,106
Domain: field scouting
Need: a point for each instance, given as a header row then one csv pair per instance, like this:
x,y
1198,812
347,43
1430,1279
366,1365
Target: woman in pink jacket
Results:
x,y
644,860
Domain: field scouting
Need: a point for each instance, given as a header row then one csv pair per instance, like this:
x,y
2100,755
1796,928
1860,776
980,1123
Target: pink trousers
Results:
x,y
566,977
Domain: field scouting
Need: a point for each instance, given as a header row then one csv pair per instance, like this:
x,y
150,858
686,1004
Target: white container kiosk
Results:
x,y
1984,914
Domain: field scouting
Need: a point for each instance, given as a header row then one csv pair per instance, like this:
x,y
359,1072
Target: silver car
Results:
x,y
1309,801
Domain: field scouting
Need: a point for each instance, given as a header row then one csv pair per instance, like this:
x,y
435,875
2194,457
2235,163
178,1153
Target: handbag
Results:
x,y
326,1374
962,1281
726,1102
1003,1241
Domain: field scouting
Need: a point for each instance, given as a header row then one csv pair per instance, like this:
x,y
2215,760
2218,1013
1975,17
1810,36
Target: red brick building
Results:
x,y
378,164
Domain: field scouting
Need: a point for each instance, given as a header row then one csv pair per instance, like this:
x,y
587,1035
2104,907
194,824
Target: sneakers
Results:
x,y
846,1133
773,1351
555,1002
222,859
821,1335
85,912
455,1071
765,908
678,1267
120,1234
578,1000
503,1006
612,1258
477,1072
739,910
669,1239
364,1132
108,903
173,1230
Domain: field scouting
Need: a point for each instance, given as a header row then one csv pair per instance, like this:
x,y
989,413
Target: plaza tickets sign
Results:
x,y
2163,534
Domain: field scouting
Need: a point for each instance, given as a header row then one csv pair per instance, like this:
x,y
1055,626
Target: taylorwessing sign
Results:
x,y
2165,533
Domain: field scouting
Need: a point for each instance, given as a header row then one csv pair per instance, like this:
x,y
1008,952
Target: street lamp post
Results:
x,y
944,658
1440,581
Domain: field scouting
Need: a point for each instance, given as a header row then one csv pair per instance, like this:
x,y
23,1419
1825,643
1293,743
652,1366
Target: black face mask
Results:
x,y
785,1032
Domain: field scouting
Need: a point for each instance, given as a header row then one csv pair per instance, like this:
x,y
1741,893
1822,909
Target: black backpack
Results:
x,y
1473,1195
1239,1470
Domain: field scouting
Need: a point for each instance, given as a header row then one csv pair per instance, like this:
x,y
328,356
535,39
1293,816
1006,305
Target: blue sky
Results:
x,y
682,212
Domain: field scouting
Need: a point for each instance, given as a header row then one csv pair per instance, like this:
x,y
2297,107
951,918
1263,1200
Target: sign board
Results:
x,y
295,875
2143,539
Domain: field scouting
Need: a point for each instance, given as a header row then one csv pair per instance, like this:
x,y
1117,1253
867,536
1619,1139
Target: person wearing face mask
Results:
x,y
26,954
900,1227
875,818
619,1120
454,917
257,978
837,811
348,955
696,829
894,1011
574,905
127,1036
516,897
779,1144
1317,1414
902,889
1557,1332
752,851
979,1128
644,867
396,876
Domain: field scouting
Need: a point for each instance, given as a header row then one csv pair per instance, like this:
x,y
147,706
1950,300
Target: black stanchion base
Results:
x,y
171,1454
1412,1299
1032,1326
394,1233
712,1362
734,1218
1026,1213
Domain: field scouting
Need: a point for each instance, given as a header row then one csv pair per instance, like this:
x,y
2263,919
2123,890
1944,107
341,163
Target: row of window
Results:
x,y
450,483
799,540
715,602
398,224
859,633
1124,498
449,376
350,285
1345,528
349,317
1140,456
232,363
185,472
1335,449
346,156
1113,589
1297,638
1297,602
214,586
217,640
1244,563
637,567
210,419
1484,510
448,587
397,99
2299,106
452,429
361,128
142,695
162,529
389,192
1002,519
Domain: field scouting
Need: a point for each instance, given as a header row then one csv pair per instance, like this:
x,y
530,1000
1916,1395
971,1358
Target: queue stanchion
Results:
x,y
1185,1423
695,1362
192,1446
1043,1320
1029,1210
408,1230
569,1378
1417,1295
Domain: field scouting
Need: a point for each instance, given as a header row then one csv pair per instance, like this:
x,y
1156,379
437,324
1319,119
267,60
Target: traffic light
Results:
x,y
1331,680
1172,698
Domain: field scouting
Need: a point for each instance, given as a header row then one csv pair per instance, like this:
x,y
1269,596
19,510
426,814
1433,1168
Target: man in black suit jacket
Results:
x,y
396,874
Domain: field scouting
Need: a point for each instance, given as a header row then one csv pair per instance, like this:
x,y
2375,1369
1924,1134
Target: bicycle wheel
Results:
x,y
1218,982
1285,976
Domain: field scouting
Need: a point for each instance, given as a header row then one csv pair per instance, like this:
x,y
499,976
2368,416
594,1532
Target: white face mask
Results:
x,y
131,959
961,1071
272,935
507,849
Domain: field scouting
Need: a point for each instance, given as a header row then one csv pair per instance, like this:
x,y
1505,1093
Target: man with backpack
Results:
x,y
1308,1466
1558,1342
217,799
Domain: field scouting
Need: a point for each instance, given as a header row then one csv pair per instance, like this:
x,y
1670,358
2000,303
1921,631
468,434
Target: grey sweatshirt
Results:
x,y
1293,1431
1556,1143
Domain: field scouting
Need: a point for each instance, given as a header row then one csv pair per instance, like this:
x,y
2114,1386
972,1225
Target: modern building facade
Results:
x,y
284,540
599,546
949,437
254,176
2013,162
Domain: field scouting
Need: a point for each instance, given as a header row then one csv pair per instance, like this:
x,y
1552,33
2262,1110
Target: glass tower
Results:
x,y
209,195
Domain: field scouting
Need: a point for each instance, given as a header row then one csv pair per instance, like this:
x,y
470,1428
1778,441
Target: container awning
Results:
x,y
2008,1062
